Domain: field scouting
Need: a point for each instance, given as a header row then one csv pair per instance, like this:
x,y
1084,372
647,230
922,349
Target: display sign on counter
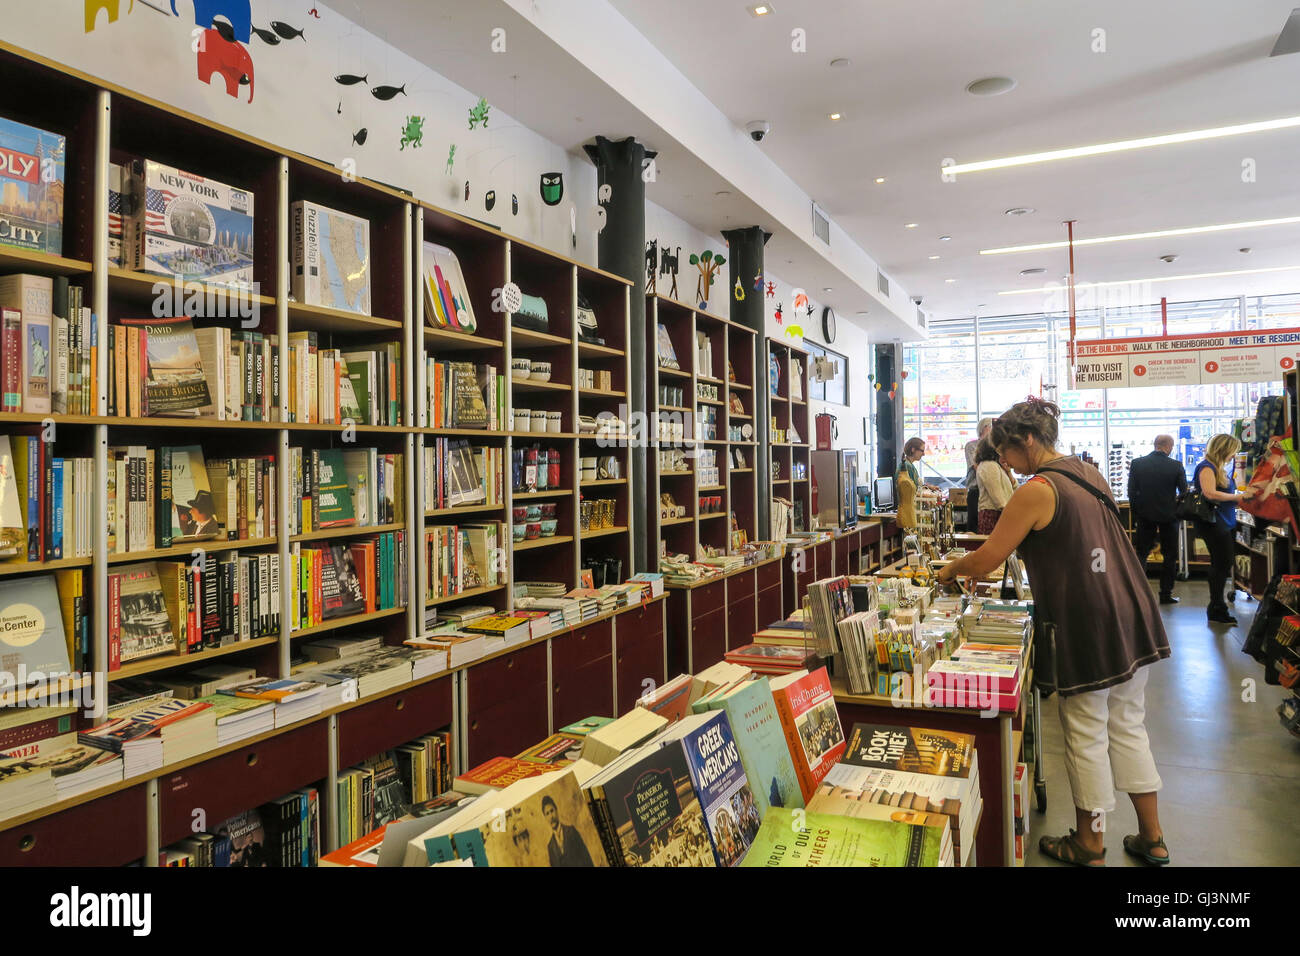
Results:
x,y
1184,359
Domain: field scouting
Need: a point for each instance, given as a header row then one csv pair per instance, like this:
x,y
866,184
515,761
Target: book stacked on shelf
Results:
x,y
46,348
652,584
457,474
361,576
813,735
163,367
831,602
32,184
329,257
43,499
447,303
380,790
294,699
459,647
24,788
464,395
462,558
387,845
794,838
772,658
1008,623
373,671
500,631
239,718
336,488
500,772
36,642
163,732
173,495
910,768
284,832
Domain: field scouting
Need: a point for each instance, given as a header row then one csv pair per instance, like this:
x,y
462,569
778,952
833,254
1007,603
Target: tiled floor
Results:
x,y
1231,772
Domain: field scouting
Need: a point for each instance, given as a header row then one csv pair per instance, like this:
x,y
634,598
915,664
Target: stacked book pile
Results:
x,y
911,769
680,569
294,700
75,768
164,732
651,582
998,622
539,589
570,609
374,667
500,631
831,601
588,605
24,788
857,639
459,647
772,658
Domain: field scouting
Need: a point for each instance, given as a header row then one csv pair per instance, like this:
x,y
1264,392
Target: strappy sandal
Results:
x,y
1134,845
1068,849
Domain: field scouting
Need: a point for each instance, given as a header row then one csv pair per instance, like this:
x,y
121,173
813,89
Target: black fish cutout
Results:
x,y
359,137
514,205
340,107
489,199
225,29
467,190
350,79
286,31
387,92
266,36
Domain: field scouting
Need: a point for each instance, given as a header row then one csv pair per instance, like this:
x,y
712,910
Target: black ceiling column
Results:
x,y
745,257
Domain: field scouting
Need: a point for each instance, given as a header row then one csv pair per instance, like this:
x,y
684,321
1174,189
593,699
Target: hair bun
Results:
x,y
1040,404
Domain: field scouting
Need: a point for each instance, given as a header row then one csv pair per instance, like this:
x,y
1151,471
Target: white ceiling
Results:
x,y
1169,66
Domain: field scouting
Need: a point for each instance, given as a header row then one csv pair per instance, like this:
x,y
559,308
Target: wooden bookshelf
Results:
x,y
347,531
36,567
138,285
547,542
347,621
185,550
464,595
40,263
788,412
164,662
324,319
458,341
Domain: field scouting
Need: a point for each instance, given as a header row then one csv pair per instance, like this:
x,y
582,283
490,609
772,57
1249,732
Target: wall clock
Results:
x,y
828,324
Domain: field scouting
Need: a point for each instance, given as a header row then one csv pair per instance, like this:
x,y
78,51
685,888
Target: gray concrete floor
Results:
x,y
1231,772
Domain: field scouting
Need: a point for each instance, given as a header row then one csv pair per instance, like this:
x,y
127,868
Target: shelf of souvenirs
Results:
x,y
542,542
42,263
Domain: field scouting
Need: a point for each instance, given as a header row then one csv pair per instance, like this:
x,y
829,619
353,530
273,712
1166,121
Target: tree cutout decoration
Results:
x,y
708,264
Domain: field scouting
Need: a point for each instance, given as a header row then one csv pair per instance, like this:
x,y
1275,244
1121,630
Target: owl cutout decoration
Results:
x,y
552,188
489,199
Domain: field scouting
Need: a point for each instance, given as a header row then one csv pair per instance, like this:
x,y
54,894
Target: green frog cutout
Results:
x,y
413,132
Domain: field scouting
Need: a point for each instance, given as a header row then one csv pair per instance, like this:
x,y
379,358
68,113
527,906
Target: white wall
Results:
x,y
296,104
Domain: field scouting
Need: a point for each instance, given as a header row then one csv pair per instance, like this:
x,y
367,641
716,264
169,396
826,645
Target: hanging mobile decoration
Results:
x,y
514,205
359,137
758,282
552,188
478,113
777,316
451,159
467,190
708,264
413,132
771,290
739,291
387,92
904,373
489,199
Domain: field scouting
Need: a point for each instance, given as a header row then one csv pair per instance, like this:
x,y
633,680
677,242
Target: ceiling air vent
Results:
x,y
882,284
920,318
821,225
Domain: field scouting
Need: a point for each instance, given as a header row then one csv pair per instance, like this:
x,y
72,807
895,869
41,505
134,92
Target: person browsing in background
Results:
x,y
972,485
1097,626
1154,483
1213,476
908,480
996,486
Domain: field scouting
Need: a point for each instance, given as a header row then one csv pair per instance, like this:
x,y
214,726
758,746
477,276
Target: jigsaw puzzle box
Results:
x,y
330,257
186,225
31,188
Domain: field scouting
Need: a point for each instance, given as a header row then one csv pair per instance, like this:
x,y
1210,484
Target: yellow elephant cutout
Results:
x,y
794,331
113,7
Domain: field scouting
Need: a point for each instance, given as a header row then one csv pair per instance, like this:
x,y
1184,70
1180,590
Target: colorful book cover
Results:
x,y
500,772
554,749
32,171
587,725
822,840
174,384
757,729
193,511
331,258
146,629
654,814
713,759
334,491
811,723
549,825
247,839
940,753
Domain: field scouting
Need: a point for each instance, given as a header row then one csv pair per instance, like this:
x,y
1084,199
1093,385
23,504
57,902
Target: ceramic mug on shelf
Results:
x,y
520,368
523,420
539,420
533,531
553,420
540,372
549,510
520,532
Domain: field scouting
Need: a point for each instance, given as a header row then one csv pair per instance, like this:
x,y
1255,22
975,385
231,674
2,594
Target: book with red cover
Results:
x,y
499,772
672,701
813,734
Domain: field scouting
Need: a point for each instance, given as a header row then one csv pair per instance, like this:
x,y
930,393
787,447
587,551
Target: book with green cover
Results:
x,y
821,840
335,493
763,751
586,726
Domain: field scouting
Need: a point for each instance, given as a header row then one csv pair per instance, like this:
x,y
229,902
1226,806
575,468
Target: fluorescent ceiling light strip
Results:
x,y
1099,285
1161,234
1168,139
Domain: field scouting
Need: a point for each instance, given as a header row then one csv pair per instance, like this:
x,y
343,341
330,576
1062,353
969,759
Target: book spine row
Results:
x,y
339,580
457,474
51,498
331,386
463,395
376,484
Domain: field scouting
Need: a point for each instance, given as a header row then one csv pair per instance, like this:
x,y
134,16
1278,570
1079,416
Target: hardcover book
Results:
x,y
822,840
757,729
146,629
193,510
547,825
941,753
811,723
33,296
333,489
31,629
174,384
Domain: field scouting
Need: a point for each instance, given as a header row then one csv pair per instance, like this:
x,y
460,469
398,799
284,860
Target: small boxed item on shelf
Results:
x,y
31,188
330,258
187,225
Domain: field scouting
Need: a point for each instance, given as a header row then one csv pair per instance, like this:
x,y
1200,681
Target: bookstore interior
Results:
x,y
362,505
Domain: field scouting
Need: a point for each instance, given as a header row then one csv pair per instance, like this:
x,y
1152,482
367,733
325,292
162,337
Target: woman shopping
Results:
x,y
908,480
1213,478
1097,627
996,485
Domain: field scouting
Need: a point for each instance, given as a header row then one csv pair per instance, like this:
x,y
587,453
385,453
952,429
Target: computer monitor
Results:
x,y
883,497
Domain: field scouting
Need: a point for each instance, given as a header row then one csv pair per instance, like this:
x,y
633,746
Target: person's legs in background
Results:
x,y
972,508
1218,541
1144,536
1169,570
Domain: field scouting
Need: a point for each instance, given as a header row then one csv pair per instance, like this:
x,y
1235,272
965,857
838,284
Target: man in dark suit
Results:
x,y
566,847
1154,483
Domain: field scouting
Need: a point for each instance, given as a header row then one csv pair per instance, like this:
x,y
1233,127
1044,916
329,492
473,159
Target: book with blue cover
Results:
x,y
757,729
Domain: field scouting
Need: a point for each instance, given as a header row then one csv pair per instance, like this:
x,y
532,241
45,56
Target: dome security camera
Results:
x,y
916,300
758,130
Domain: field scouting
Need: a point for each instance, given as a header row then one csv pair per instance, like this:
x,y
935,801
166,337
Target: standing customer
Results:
x,y
1097,618
1213,477
1154,483
996,486
972,485
908,481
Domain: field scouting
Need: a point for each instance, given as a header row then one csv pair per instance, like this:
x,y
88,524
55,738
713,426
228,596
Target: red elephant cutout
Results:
x,y
114,7
231,60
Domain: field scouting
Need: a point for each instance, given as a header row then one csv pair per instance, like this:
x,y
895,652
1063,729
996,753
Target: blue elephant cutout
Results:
x,y
238,12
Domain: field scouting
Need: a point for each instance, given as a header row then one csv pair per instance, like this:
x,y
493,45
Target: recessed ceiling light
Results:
x,y
826,289
1020,210
950,281
934,257
1145,142
910,225
879,180
863,312
760,10
1169,258
1037,270
836,116
1199,275
840,62
723,192
1191,230
991,86
1245,249
945,238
